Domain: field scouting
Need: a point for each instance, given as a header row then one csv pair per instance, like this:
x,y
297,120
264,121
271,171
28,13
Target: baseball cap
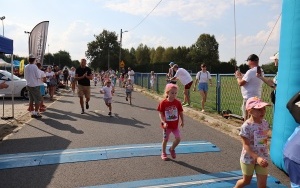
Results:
x,y
31,56
171,63
255,102
276,56
252,57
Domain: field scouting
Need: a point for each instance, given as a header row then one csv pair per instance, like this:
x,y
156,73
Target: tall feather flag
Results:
x,y
37,40
21,67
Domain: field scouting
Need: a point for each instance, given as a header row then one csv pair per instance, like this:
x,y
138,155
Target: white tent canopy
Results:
x,y
4,63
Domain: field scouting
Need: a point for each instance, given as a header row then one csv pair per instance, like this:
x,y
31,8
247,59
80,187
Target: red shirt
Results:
x,y
171,112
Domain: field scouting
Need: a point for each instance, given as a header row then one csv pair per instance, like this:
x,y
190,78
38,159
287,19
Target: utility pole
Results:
x,y
120,53
2,18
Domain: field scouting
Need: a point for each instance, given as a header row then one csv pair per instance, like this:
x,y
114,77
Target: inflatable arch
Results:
x,y
288,79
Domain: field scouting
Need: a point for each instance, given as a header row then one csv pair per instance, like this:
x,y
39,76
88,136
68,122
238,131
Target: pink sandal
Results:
x,y
164,156
173,154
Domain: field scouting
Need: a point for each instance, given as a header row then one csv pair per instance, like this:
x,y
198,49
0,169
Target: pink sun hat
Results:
x,y
255,102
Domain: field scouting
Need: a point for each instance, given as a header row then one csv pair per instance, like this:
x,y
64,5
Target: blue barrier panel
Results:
x,y
98,153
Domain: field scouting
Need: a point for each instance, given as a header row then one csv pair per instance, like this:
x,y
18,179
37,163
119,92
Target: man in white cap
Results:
x,y
250,85
32,76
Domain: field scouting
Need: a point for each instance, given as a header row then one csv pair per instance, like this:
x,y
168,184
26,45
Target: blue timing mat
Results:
x,y
216,180
98,153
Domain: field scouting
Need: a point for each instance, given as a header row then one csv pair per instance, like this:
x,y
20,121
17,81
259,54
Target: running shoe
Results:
x,y
82,111
109,113
164,156
186,105
87,106
172,152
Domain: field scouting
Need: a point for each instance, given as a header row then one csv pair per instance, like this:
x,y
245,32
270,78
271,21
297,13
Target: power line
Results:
x,y
146,16
270,34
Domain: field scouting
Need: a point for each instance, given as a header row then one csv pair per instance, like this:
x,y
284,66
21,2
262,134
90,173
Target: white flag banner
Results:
x,y
37,40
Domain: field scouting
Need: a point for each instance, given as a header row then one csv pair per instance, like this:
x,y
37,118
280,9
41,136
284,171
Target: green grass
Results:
x,y
231,97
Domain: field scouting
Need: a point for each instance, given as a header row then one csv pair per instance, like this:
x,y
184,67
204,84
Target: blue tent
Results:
x,y
16,63
6,45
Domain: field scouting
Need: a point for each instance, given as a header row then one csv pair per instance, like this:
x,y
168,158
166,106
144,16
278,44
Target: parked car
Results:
x,y
19,85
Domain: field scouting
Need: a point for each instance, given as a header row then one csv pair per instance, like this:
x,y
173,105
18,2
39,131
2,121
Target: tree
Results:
x,y
158,57
104,50
168,55
62,58
142,54
205,50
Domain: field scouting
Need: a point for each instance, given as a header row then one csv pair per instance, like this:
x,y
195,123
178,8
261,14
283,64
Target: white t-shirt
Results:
x,y
43,75
107,92
204,76
72,74
131,75
184,76
32,75
49,75
253,86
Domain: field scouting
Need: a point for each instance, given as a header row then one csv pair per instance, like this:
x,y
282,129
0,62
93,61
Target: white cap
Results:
x,y
31,56
276,56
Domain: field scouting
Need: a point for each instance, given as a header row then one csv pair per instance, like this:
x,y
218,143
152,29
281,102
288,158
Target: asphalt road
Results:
x,y
63,127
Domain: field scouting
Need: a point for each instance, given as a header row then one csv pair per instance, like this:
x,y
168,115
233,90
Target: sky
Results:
x,y
166,23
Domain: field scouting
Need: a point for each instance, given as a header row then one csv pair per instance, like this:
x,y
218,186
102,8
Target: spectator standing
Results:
x,y
51,82
203,77
57,73
254,135
272,83
251,85
66,76
42,87
83,75
171,73
186,79
32,76
131,74
152,79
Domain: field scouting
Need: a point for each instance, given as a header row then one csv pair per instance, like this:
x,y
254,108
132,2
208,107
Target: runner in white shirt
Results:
x,y
108,90
131,75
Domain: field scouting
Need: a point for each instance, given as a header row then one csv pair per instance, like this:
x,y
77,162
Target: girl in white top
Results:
x,y
108,91
203,77
51,88
72,79
152,79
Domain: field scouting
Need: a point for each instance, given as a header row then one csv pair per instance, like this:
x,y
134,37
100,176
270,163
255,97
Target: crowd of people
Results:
x,y
254,130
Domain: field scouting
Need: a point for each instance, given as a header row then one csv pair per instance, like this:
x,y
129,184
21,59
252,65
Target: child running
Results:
x,y
129,89
108,91
170,110
95,79
254,134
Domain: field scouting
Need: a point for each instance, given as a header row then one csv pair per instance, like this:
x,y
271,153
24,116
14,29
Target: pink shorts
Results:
x,y
167,132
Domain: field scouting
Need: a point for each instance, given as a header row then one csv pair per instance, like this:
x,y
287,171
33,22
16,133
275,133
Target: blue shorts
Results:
x,y
42,90
203,87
